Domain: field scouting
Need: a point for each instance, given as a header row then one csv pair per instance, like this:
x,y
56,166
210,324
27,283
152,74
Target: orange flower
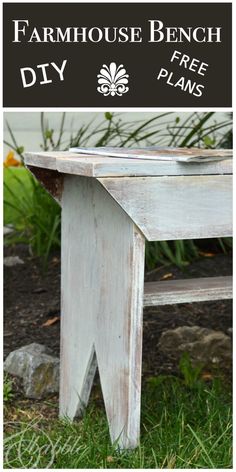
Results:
x,y
11,161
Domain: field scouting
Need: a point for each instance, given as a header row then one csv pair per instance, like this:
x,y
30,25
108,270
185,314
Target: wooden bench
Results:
x,y
109,207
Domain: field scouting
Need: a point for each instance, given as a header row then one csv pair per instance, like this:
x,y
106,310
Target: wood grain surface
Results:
x,y
102,301
99,166
187,291
178,207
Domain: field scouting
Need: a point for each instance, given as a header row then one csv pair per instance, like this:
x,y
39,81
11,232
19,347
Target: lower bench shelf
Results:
x,y
187,291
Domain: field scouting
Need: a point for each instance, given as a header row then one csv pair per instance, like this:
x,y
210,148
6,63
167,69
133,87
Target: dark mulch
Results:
x,y
33,297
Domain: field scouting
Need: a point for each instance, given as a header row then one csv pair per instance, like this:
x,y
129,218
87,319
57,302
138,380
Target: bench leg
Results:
x,y
102,297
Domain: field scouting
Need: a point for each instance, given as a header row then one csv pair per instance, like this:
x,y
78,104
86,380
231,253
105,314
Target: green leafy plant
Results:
x,y
7,389
191,374
179,253
36,214
197,129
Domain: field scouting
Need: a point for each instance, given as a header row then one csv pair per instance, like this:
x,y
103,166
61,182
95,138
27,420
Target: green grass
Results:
x,y
181,427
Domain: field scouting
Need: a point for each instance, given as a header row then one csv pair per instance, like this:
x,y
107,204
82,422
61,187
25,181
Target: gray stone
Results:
x,y
205,346
230,332
7,230
11,261
37,367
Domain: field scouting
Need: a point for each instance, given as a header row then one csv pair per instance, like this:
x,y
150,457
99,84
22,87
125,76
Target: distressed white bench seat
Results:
x,y
109,207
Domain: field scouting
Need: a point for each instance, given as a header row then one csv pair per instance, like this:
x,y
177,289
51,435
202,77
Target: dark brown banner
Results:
x,y
117,55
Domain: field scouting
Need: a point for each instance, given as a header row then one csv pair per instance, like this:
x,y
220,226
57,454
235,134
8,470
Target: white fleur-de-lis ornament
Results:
x,y
112,80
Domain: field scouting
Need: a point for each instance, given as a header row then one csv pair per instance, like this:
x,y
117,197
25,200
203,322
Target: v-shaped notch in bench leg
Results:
x,y
76,379
102,297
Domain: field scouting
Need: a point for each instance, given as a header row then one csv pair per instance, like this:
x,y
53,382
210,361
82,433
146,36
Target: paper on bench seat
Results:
x,y
187,155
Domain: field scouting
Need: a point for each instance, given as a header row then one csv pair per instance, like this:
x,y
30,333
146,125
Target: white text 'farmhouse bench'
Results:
x,y
110,205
